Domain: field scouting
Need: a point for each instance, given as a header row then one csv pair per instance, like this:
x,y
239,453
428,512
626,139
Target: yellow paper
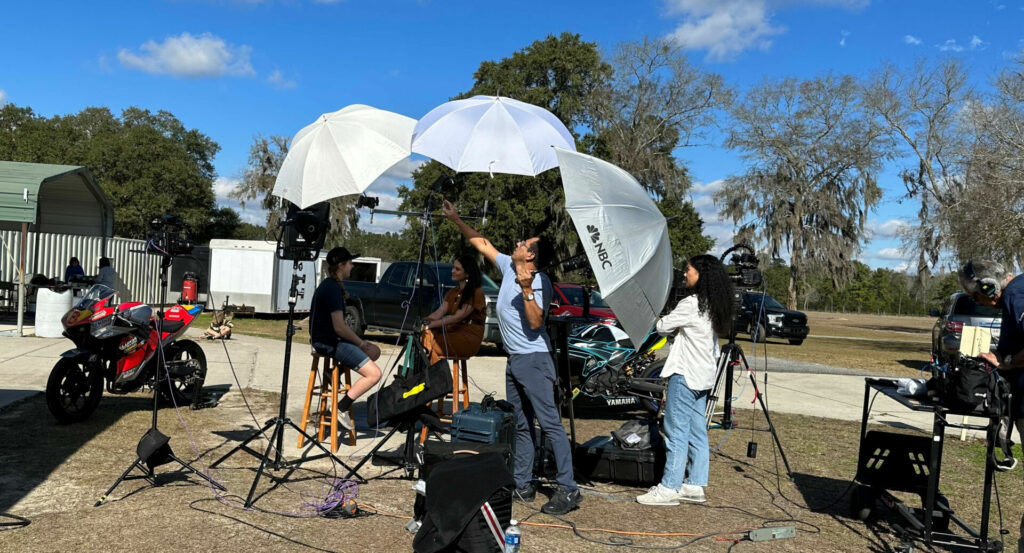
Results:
x,y
975,340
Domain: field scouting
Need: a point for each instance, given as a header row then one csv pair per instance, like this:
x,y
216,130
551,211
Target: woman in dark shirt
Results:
x,y
456,328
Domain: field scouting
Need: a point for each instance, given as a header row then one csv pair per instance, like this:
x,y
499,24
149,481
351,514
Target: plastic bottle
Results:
x,y
513,537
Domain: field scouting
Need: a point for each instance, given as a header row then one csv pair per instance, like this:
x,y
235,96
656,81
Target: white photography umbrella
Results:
x,y
342,153
625,238
491,134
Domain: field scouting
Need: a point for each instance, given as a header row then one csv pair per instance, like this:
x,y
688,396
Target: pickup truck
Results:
x,y
381,305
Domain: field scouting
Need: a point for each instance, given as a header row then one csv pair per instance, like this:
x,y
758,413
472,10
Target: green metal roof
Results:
x,y
20,185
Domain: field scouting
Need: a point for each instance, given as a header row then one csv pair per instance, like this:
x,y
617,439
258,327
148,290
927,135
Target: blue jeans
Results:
x,y
686,435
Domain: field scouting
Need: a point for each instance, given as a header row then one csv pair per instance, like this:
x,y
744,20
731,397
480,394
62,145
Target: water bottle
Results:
x,y
513,537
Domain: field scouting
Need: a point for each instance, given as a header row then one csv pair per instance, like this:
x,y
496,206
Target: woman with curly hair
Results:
x,y
697,321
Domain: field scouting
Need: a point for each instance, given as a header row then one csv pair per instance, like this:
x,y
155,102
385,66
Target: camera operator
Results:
x,y
989,283
530,373
697,321
331,337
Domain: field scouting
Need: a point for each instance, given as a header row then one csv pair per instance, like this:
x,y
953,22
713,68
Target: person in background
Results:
x,y
74,269
106,276
220,326
530,373
456,328
330,336
697,321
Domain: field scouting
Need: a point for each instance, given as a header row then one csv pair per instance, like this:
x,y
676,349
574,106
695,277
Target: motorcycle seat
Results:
x,y
172,326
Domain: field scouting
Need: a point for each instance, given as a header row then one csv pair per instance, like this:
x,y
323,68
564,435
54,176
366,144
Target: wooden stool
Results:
x,y
327,411
460,393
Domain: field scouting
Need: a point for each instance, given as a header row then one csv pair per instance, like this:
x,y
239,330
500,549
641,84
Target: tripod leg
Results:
x,y
327,453
764,409
120,479
189,467
244,445
369,455
263,465
723,361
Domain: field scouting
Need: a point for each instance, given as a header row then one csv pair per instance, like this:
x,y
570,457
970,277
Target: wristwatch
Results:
x,y
529,296
1008,360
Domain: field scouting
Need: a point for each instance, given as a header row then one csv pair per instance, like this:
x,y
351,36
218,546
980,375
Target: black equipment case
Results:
x,y
601,459
484,424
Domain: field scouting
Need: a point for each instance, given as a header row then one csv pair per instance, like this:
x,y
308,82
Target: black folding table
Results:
x,y
890,461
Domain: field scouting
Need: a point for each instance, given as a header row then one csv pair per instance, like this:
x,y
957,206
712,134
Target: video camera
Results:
x,y
170,237
303,232
742,267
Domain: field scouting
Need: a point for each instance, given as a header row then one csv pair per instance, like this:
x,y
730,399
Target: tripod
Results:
x,y
730,357
154,448
276,438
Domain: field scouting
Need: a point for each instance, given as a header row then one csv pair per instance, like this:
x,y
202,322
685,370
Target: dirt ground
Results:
x,y
53,474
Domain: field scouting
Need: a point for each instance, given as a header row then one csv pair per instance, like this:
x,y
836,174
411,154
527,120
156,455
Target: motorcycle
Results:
x,y
119,345
606,369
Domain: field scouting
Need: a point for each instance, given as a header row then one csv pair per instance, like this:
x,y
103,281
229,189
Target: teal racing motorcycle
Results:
x,y
607,371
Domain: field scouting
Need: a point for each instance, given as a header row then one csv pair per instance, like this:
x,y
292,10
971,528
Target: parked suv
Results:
x,y
775,320
957,311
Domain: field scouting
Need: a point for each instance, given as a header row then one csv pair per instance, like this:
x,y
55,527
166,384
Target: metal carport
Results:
x,y
61,199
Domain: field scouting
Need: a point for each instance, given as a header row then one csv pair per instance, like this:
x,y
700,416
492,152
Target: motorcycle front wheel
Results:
x,y
181,389
74,389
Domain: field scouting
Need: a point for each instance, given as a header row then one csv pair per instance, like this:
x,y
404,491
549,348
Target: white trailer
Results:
x,y
248,272
364,269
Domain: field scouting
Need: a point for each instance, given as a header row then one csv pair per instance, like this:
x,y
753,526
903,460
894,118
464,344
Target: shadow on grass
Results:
x,y
35,446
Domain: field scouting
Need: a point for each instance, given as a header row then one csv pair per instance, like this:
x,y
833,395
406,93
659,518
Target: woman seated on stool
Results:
x,y
457,327
332,337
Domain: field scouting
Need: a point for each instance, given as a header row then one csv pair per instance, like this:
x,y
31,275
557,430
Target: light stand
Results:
x,y
154,448
730,357
281,421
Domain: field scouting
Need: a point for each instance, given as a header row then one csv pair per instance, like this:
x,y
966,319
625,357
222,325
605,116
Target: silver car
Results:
x,y
960,310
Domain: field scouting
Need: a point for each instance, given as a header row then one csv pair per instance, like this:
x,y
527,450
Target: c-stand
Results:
x,y
276,438
730,357
154,448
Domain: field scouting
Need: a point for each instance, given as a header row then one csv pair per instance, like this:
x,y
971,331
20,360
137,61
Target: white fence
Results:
x,y
137,273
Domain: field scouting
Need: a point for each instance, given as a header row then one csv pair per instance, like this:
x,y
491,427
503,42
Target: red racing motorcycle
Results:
x,y
119,345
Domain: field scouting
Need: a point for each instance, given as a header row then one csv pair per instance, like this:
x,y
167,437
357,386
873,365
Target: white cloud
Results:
x,y
222,186
277,79
726,28
976,43
901,267
842,41
950,46
3,97
891,253
888,229
911,39
192,57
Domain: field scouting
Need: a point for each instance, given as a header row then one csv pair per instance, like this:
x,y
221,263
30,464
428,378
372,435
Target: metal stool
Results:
x,y
326,414
460,393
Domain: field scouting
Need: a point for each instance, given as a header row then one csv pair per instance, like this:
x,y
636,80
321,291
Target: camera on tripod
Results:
x,y
170,237
742,267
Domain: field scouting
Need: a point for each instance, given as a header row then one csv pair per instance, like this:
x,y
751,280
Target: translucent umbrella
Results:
x,y
342,153
491,134
625,238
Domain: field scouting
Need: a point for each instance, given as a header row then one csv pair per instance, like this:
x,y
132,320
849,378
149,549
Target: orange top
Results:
x,y
479,313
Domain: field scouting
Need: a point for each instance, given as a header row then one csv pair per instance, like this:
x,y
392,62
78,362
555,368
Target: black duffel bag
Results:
x,y
421,384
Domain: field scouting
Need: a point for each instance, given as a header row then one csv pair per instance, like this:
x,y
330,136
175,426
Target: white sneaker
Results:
x,y
345,420
659,495
692,492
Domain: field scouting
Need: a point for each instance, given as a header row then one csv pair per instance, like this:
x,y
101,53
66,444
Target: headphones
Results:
x,y
988,286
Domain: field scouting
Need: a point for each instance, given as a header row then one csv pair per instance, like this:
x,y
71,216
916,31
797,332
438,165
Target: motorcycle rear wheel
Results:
x,y
74,389
651,401
181,390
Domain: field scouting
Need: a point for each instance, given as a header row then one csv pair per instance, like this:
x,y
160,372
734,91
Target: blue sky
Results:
x,y
235,69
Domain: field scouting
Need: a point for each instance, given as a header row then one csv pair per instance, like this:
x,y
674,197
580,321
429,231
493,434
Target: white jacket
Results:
x,y
694,352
